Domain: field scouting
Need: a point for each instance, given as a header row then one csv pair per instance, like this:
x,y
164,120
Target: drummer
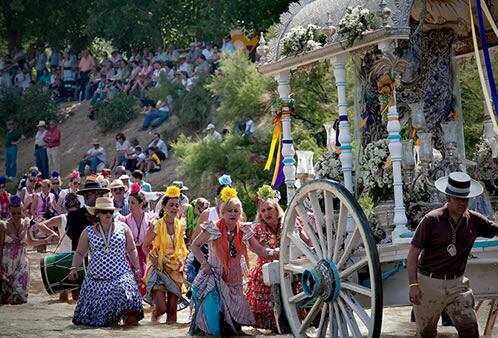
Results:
x,y
71,204
82,218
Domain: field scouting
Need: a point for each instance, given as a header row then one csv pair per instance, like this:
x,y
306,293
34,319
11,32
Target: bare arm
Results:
x,y
131,248
34,205
79,255
81,250
149,237
46,225
199,241
412,263
260,250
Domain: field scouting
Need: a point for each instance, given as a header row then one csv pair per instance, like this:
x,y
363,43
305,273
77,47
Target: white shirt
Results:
x,y
207,53
122,146
250,126
213,137
161,146
40,134
94,151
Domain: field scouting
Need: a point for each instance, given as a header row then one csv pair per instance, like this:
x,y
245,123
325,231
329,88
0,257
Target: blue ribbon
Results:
x,y
489,70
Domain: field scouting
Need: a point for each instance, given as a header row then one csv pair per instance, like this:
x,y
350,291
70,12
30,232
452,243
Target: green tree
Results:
x,y
241,88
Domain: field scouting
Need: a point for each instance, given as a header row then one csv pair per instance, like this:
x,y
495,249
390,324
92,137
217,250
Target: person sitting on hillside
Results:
x,y
93,157
153,162
161,148
157,116
212,134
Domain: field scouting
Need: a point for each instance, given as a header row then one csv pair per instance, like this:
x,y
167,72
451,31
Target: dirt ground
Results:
x,y
78,131
44,316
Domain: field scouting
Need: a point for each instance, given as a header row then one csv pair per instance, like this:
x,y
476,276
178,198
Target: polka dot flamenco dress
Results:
x,y
109,293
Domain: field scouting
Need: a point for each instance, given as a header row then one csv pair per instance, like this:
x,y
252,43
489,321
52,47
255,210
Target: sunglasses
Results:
x,y
233,252
56,182
2,186
76,183
32,181
118,190
106,212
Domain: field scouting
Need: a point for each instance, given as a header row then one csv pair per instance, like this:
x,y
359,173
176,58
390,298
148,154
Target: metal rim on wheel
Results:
x,y
331,276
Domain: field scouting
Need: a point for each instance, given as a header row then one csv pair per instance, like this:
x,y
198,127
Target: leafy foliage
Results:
x,y
240,87
193,107
243,160
36,104
114,114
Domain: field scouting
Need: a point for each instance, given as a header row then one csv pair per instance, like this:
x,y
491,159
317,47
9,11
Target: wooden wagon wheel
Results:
x,y
331,279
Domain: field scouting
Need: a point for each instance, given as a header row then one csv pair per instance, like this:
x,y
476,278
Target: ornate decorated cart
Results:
x,y
337,283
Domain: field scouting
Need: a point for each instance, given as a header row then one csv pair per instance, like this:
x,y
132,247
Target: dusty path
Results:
x,y
44,316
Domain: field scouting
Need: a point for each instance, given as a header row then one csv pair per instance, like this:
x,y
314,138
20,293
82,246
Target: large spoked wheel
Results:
x,y
330,277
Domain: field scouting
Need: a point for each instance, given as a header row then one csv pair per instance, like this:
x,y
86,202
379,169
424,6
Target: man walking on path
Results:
x,y
438,257
52,142
40,150
12,138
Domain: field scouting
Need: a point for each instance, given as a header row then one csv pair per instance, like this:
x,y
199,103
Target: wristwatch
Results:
x,y
271,252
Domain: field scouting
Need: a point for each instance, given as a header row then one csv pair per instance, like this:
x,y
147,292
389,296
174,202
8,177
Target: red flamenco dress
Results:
x,y
258,294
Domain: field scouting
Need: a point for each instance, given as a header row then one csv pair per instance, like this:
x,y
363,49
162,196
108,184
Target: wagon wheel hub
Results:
x,y
322,281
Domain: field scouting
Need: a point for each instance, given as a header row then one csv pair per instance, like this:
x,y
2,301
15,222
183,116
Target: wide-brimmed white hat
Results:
x,y
209,127
102,203
41,124
459,184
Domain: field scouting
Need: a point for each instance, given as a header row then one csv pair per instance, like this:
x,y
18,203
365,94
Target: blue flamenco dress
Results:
x,y
109,292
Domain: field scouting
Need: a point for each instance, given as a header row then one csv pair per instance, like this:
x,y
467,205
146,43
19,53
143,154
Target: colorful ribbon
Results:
x,y
275,139
337,143
485,93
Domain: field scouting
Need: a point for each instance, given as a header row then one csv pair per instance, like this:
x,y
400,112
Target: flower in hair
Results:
x,y
75,174
266,192
225,180
173,191
135,188
228,193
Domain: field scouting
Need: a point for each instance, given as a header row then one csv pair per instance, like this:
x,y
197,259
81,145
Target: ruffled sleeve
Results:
x,y
247,231
212,230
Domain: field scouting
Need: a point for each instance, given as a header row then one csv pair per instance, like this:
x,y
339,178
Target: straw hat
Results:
x,y
117,184
459,184
41,124
102,203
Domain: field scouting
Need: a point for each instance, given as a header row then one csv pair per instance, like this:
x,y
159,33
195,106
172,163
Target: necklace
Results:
x,y
139,227
451,248
107,240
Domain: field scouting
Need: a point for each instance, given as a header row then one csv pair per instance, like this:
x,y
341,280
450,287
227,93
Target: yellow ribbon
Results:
x,y
487,99
389,162
276,138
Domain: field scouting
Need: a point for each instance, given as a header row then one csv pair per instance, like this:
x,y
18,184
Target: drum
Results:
x,y
55,269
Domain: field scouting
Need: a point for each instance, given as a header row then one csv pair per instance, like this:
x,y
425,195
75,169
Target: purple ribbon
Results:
x,y
485,51
280,176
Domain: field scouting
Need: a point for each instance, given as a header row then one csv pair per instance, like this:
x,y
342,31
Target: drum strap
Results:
x,y
60,242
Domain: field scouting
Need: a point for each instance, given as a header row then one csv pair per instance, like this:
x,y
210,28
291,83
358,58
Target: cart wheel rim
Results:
x,y
323,285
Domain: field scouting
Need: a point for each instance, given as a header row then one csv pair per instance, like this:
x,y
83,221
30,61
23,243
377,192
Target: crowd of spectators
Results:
x,y
78,75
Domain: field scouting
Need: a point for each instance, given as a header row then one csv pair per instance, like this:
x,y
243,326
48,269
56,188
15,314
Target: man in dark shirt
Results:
x,y
80,219
12,138
438,257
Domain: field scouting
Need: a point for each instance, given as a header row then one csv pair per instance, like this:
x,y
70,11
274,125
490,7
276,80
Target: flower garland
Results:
x,y
377,179
329,166
299,40
355,22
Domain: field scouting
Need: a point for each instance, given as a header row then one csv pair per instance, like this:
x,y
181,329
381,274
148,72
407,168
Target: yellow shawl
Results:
x,y
162,244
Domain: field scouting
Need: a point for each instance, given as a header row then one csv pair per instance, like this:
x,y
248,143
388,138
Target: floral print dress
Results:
x,y
258,294
15,281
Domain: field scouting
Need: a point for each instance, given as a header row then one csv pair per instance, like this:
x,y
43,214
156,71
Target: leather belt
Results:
x,y
438,275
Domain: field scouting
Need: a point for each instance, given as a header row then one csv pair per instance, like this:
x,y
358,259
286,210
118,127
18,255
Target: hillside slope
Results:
x,y
77,133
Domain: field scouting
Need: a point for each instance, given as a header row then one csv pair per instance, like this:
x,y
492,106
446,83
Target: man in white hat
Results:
x,y
438,257
212,134
40,149
118,191
93,157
